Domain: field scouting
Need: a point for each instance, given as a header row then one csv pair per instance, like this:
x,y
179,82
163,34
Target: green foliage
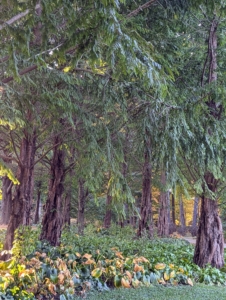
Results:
x,y
97,261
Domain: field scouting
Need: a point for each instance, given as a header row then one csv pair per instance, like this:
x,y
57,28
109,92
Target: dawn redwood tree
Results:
x,y
210,239
145,222
6,200
53,219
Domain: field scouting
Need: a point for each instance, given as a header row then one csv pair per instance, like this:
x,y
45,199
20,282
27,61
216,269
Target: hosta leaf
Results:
x,y
166,276
190,282
96,273
52,288
160,266
125,283
117,281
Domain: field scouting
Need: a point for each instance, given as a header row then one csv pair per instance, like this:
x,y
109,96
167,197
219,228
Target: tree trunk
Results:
x,y
195,216
22,198
82,195
6,200
108,214
182,217
145,222
164,209
210,240
67,209
209,247
173,210
53,220
37,208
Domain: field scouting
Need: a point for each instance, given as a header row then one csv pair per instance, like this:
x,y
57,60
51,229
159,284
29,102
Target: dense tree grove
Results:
x,y
113,99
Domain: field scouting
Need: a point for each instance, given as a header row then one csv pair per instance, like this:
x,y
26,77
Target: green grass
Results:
x,y
198,292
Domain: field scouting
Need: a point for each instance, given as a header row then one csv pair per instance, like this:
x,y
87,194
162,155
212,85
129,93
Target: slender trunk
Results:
x,y
37,208
6,200
195,216
67,209
163,219
82,195
53,220
182,217
145,222
173,210
22,198
210,240
108,213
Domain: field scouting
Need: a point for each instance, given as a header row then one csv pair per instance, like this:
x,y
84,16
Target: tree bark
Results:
x,y
108,213
145,222
173,210
209,247
82,195
182,216
53,220
22,198
210,240
6,200
195,216
37,208
164,209
67,209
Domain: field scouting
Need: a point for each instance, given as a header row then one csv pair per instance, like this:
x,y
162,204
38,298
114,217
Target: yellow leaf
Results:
x,y
166,276
125,283
160,266
172,274
136,283
78,254
118,263
171,266
190,282
66,69
96,273
180,270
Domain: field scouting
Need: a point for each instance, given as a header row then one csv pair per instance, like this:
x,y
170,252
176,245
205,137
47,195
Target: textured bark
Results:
x,y
195,217
145,222
182,217
22,198
82,195
164,210
209,247
210,240
53,219
6,200
37,208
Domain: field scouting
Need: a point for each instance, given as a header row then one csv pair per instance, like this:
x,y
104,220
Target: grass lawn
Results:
x,y
197,292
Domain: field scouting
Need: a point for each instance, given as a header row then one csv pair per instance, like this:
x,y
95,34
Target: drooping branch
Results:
x,y
18,17
140,8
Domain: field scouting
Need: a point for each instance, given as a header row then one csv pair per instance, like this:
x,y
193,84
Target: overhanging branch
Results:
x,y
18,17
140,8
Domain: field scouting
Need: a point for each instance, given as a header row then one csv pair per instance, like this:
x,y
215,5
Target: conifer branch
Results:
x,y
140,8
18,17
